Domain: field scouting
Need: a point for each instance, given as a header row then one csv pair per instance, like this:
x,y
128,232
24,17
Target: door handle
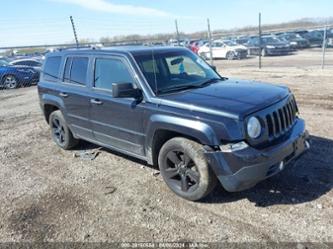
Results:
x,y
65,95
96,101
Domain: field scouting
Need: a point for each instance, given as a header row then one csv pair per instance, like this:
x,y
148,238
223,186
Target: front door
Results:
x,y
116,122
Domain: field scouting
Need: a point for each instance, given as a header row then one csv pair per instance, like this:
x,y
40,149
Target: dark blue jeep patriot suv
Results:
x,y
170,108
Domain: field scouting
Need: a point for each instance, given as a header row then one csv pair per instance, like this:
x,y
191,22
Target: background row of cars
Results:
x,y
17,72
240,47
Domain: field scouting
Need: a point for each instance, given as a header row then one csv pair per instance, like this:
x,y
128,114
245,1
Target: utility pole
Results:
x,y
74,31
210,42
324,48
177,32
259,40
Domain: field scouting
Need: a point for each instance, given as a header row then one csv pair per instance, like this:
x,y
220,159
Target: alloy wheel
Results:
x,y
58,131
181,172
10,82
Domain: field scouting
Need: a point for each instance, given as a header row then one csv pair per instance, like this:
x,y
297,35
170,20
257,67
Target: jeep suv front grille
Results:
x,y
281,120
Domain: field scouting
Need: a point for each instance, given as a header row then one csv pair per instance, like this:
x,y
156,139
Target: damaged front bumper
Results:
x,y
242,169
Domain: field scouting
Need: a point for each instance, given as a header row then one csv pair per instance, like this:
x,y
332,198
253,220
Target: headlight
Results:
x,y
253,127
270,46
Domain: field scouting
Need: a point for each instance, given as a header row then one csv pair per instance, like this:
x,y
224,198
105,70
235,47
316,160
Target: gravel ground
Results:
x,y
47,194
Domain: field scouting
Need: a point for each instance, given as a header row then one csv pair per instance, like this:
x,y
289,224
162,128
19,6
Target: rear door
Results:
x,y
75,94
116,122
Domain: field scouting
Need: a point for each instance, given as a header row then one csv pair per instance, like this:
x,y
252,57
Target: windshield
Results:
x,y
3,63
292,36
173,71
270,40
230,43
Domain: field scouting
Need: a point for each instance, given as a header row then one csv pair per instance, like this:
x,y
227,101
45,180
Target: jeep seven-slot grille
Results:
x,y
281,120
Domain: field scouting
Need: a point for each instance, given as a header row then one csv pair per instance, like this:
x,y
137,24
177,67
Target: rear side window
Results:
x,y
51,68
76,70
108,71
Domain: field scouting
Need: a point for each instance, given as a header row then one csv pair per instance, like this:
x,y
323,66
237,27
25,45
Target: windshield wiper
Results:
x,y
208,82
190,86
177,88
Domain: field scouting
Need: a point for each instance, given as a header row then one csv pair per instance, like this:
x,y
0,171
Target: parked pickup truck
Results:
x,y
167,106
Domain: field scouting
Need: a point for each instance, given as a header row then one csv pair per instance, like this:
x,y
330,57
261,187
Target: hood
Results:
x,y
235,97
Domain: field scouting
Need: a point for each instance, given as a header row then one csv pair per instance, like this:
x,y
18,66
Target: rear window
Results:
x,y
76,70
51,68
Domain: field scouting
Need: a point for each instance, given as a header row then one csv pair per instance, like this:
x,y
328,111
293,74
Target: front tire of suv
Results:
x,y
185,169
60,132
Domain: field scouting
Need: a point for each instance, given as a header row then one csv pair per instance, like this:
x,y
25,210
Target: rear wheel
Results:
x,y
185,169
10,82
61,134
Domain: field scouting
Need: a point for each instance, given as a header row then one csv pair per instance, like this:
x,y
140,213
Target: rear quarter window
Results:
x,y
51,68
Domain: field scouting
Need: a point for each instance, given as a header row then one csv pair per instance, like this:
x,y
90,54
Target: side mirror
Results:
x,y
125,90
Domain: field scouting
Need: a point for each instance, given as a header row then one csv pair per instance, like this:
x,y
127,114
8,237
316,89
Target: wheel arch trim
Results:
x,y
187,127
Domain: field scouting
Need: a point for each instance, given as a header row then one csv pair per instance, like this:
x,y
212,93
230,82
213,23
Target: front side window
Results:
x,y
28,63
19,63
111,70
175,70
33,63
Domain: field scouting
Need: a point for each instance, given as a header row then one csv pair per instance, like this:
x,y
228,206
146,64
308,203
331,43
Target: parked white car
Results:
x,y
223,49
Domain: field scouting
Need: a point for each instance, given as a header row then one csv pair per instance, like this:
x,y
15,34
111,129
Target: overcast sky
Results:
x,y
47,21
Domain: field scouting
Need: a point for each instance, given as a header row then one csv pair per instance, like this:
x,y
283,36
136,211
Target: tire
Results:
x,y
60,132
185,169
9,82
230,56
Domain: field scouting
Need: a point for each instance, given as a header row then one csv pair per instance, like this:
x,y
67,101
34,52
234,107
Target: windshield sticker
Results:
x,y
181,68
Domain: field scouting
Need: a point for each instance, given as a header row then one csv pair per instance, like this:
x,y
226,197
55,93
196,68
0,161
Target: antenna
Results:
x,y
74,31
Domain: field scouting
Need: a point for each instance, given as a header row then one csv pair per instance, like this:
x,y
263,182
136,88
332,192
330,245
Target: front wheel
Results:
x,y
185,169
231,56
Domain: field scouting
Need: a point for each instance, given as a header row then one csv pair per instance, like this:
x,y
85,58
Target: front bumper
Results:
x,y
240,170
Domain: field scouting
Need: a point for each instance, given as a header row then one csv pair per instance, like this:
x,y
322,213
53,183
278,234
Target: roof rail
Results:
x,y
80,47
